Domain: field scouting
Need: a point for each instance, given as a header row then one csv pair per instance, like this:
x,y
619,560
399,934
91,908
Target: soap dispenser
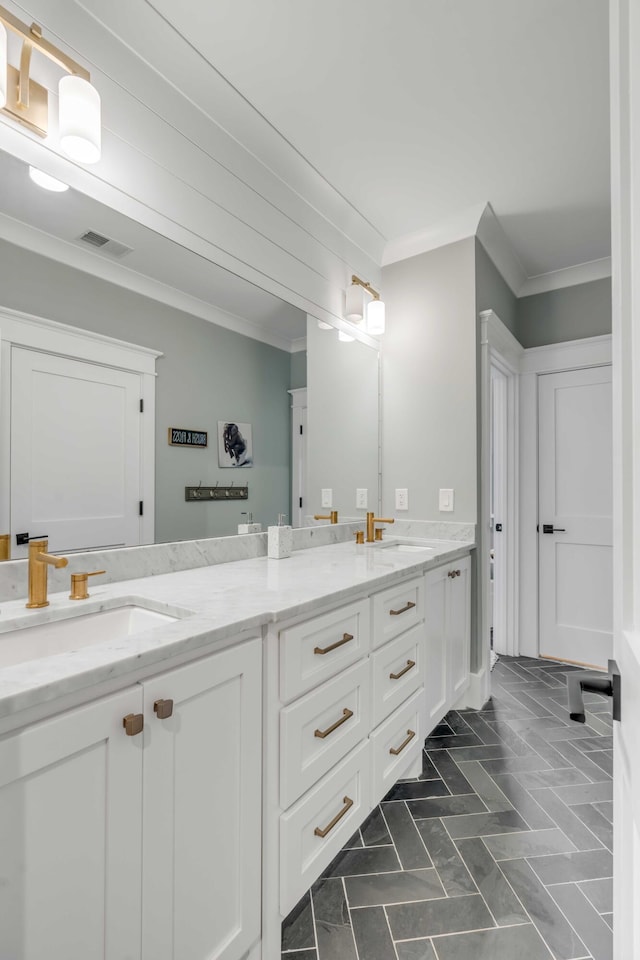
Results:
x,y
280,540
250,526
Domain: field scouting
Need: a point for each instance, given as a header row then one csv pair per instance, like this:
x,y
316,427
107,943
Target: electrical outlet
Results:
x,y
327,497
361,498
446,501
402,498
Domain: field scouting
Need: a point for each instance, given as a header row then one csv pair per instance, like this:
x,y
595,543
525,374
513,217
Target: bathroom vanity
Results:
x,y
172,792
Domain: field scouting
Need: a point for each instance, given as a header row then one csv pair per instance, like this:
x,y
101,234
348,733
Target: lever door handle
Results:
x,y
549,528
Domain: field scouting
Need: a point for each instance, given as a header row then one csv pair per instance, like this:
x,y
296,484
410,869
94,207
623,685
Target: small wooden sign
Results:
x,y
179,437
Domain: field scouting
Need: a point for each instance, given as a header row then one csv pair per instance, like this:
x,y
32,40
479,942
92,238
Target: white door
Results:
x,y
75,452
202,851
575,516
71,835
499,509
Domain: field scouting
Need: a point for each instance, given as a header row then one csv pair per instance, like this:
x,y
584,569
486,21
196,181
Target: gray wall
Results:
x,y
567,314
207,374
429,382
298,377
493,293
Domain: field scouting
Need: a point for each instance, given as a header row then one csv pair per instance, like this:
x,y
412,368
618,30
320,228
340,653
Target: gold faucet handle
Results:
x,y
79,583
360,536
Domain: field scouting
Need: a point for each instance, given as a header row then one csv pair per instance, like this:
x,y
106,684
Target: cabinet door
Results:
x,y
202,809
436,665
459,628
70,835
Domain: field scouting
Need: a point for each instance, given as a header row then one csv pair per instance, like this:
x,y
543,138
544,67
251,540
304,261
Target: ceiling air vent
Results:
x,y
106,244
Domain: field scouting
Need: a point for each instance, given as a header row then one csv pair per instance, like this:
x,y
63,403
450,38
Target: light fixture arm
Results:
x,y
33,37
367,286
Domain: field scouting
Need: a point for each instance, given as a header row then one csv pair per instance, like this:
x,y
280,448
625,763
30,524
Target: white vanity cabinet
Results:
x,y
116,846
448,632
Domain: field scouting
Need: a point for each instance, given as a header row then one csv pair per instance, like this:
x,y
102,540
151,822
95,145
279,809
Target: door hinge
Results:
x,y
141,405
301,428
141,508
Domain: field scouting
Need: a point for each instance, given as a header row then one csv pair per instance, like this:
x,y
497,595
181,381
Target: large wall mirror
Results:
x,y
57,452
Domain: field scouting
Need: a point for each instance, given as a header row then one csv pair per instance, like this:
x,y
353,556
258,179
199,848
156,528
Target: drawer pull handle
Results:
x,y
133,724
163,709
345,639
407,606
346,715
319,832
396,750
396,676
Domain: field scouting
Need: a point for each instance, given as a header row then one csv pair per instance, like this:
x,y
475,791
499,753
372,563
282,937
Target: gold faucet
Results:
x,y
333,516
38,561
371,521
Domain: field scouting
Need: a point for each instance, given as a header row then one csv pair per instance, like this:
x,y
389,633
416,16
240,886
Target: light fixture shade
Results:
x,y
3,66
376,318
46,181
345,337
324,326
79,120
354,307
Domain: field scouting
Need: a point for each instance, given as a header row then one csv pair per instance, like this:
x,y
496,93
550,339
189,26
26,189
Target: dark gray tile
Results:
x,y
532,843
417,790
434,917
608,919
593,819
449,771
595,743
485,786
564,817
454,875
297,930
350,863
498,895
446,806
333,923
482,730
536,741
404,833
300,955
374,830
523,802
511,739
577,731
379,889
372,934
458,722
569,867
523,942
604,759
429,772
552,926
484,824
355,840
441,730
454,740
415,950
590,793
581,760
537,724
566,776
536,708
606,809
591,928
599,893
487,751
515,764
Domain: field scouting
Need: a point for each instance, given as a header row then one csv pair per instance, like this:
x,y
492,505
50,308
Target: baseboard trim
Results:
x,y
477,693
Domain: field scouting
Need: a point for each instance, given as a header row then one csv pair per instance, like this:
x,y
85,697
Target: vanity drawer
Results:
x,y
396,744
321,728
397,609
317,649
314,830
397,670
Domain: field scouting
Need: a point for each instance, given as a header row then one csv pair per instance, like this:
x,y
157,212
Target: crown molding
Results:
x,y
568,277
69,254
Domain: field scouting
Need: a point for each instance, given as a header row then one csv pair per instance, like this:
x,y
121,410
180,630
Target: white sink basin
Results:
x,y
406,545
76,632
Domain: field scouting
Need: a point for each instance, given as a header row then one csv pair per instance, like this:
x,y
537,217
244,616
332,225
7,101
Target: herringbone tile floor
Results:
x,y
502,850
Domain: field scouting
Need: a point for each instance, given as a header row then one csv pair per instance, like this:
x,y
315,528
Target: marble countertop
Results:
x,y
212,604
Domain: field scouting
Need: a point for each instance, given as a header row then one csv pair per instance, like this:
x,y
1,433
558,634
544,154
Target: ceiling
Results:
x,y
418,109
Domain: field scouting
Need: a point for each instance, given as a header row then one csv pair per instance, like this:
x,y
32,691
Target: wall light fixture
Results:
x,y
27,102
375,322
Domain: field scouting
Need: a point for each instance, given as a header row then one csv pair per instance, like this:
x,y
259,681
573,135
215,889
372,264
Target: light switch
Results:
x,y
402,499
446,501
327,497
361,498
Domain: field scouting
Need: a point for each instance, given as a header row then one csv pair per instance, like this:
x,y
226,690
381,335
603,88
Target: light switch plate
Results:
x,y
402,498
362,499
327,497
446,501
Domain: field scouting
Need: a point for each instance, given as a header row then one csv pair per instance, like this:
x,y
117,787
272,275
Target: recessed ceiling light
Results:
x,y
47,182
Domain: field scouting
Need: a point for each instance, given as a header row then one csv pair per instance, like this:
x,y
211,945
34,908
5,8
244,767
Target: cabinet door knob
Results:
x,y
133,724
163,709
451,574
